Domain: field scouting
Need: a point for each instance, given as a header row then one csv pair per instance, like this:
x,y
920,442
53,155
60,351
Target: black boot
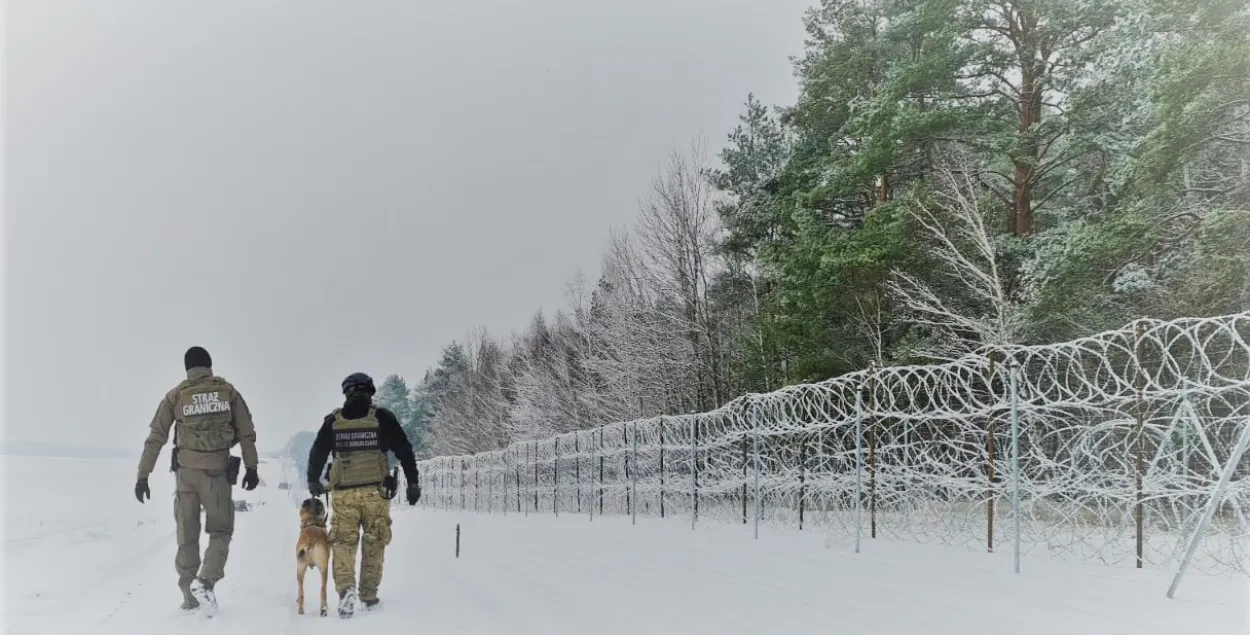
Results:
x,y
202,590
189,603
347,603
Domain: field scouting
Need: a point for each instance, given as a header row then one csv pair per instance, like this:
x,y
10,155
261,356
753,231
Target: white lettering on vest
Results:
x,y
356,439
205,403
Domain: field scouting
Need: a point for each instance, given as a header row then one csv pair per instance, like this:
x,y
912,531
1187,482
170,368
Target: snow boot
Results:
x,y
347,603
202,591
371,604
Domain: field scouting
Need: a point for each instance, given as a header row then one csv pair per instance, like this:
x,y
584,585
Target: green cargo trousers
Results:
x,y
210,490
361,517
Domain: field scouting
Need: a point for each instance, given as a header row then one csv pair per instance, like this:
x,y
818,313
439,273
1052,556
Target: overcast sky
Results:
x,y
309,189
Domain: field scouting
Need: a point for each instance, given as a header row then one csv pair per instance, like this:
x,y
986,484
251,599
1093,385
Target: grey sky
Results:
x,y
309,189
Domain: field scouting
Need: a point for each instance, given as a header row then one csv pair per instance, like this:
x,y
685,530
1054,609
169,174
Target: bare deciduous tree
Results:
x,y
954,220
677,233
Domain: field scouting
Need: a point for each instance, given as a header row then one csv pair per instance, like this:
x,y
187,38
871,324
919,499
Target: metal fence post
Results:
x,y
859,465
601,471
591,464
1212,504
662,420
633,473
1015,456
694,470
577,467
755,428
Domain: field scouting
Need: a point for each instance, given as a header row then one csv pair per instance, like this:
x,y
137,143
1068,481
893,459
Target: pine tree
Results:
x,y
393,395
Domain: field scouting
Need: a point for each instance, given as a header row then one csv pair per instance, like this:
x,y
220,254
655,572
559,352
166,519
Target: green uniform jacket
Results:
x,y
166,416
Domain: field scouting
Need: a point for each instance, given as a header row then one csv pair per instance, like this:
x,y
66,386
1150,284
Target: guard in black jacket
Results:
x,y
359,435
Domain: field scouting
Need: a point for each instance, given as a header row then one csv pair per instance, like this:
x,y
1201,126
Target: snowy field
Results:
x,y
82,556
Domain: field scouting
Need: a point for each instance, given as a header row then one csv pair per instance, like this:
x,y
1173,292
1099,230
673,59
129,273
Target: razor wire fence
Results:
x,y
1122,438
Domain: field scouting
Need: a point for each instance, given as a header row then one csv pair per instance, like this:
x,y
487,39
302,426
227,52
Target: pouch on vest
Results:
x,y
232,469
346,471
332,475
390,484
173,454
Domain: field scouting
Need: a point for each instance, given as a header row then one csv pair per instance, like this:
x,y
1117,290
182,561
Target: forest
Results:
x,y
954,174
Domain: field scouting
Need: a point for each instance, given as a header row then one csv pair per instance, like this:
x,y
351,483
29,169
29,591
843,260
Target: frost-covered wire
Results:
x,y
1132,423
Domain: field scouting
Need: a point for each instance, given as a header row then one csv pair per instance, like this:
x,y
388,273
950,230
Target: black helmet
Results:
x,y
358,382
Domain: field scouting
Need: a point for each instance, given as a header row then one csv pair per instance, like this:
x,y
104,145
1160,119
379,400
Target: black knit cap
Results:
x,y
197,356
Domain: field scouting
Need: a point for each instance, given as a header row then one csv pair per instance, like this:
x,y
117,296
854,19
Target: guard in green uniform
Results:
x,y
359,435
210,418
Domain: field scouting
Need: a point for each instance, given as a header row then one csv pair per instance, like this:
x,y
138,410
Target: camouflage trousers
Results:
x,y
354,510
207,489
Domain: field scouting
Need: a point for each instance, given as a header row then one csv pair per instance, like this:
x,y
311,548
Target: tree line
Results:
x,y
953,174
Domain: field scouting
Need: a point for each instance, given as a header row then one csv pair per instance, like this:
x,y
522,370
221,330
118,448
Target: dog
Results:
x,y
313,548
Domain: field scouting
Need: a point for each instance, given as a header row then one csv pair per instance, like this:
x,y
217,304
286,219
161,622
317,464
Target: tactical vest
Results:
x,y
206,423
358,456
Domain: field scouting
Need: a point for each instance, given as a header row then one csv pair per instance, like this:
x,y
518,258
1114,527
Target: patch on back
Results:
x,y
205,403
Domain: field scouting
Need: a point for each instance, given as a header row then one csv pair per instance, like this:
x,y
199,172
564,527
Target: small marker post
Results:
x,y
457,540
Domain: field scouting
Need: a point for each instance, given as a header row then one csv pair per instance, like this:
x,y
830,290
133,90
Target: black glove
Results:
x,y
414,493
141,489
315,488
250,479
390,487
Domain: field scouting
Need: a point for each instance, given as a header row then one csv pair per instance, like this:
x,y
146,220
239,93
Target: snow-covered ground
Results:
x,y
81,555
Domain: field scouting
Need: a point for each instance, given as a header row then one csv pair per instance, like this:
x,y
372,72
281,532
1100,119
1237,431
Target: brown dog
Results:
x,y
313,548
